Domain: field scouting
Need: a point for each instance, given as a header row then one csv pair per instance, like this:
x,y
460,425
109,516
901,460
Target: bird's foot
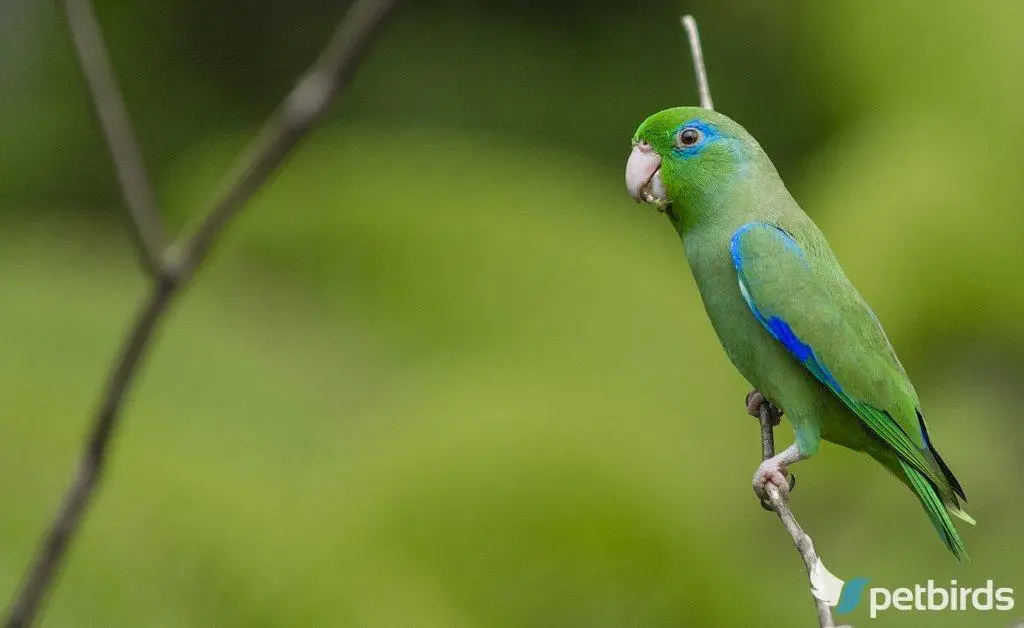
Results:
x,y
754,401
772,472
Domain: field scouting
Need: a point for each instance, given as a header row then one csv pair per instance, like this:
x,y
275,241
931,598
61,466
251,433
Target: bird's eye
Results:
x,y
688,137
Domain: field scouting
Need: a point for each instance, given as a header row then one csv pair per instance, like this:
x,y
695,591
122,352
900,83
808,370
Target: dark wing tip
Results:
x,y
946,471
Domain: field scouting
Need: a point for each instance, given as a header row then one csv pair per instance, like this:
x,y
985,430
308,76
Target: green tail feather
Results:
x,y
937,511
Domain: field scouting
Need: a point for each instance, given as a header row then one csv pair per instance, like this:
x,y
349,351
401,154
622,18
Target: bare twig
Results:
x,y
779,504
45,565
768,422
110,110
307,103
700,72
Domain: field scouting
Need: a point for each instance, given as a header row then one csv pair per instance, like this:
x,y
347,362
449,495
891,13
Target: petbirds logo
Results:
x,y
846,596
831,590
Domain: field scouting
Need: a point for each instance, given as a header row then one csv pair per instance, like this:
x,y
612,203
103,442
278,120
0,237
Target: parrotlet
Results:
x,y
787,315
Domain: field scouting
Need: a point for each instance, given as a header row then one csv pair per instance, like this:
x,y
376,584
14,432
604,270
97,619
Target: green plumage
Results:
x,y
788,317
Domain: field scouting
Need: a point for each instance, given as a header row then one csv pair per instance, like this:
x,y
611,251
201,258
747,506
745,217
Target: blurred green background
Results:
x,y
443,372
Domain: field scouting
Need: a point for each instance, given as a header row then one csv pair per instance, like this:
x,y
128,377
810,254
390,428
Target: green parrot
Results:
x,y
787,315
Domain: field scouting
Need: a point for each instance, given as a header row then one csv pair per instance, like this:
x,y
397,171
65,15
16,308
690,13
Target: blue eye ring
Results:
x,y
688,137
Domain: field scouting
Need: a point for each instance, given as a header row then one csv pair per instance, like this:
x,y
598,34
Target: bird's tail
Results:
x,y
938,511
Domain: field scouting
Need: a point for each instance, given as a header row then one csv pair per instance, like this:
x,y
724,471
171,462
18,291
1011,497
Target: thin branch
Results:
x,y
307,103
780,505
699,71
112,114
39,577
304,106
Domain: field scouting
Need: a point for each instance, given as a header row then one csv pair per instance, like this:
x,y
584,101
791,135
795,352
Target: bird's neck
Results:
x,y
754,191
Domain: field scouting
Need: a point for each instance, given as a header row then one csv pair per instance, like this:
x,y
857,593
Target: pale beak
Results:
x,y
643,176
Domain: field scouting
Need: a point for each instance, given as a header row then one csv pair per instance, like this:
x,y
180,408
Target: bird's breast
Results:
x,y
748,345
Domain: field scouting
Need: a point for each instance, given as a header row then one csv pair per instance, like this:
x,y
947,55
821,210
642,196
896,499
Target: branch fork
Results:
x,y
170,267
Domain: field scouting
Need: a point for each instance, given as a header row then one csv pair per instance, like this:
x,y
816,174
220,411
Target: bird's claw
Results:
x,y
766,504
772,473
754,401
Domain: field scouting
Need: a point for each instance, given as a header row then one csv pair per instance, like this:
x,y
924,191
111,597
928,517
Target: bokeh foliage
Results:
x,y
444,372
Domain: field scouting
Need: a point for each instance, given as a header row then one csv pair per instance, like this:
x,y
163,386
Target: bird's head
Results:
x,y
681,155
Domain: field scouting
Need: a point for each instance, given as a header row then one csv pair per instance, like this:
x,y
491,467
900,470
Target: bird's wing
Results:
x,y
806,303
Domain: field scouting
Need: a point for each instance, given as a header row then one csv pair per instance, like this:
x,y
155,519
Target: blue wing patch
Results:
x,y
776,326
878,420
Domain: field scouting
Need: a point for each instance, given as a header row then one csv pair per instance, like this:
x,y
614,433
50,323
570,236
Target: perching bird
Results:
x,y
788,317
